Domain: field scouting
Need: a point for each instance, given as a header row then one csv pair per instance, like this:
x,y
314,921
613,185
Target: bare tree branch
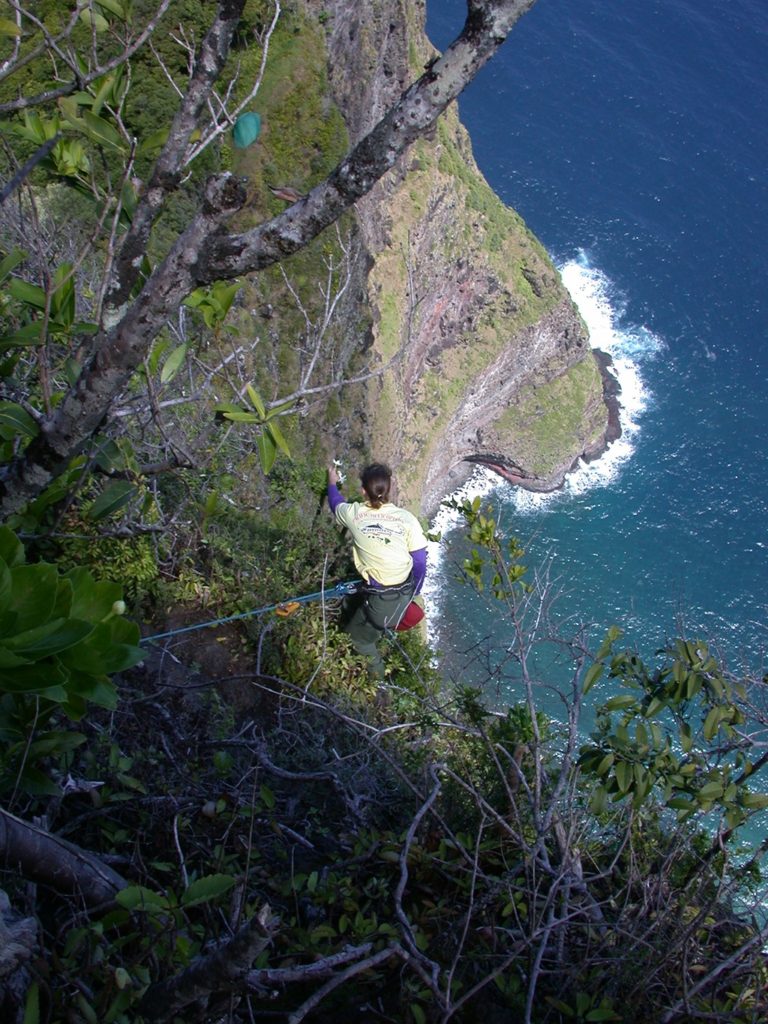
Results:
x,y
81,78
341,978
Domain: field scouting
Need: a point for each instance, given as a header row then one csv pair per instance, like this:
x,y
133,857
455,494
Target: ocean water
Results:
x,y
631,138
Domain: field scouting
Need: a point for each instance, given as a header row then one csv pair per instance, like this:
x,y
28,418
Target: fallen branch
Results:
x,y
222,970
40,856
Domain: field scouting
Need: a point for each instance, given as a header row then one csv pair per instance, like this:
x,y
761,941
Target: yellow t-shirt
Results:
x,y
382,539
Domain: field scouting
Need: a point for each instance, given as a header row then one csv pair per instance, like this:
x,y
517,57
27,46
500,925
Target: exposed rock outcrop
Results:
x,y
490,361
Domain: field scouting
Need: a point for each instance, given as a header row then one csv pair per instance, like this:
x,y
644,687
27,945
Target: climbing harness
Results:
x,y
283,608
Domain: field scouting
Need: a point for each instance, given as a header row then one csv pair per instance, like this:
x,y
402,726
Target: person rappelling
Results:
x,y
390,552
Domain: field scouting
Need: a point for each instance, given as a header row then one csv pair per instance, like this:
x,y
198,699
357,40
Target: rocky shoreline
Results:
x,y
518,476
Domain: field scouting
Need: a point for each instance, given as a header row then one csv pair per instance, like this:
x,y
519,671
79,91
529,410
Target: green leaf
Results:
x,y
106,650
238,416
256,401
160,347
37,130
621,702
32,1002
16,422
205,889
267,451
593,674
712,722
8,659
33,594
605,764
138,897
710,791
225,407
611,636
102,132
50,638
654,707
30,334
71,160
45,677
196,298
692,685
112,499
98,21
599,800
281,407
81,688
36,783
10,262
755,801
561,1006
86,1009
277,436
58,742
419,1017
224,294
11,548
23,291
63,297
173,363
10,28
624,775
153,142
113,7
91,599
103,93
681,803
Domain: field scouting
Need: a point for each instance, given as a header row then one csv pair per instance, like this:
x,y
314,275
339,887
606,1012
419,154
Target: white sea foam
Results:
x,y
630,345
482,482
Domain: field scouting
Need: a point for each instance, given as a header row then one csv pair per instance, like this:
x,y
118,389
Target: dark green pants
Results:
x,y
369,614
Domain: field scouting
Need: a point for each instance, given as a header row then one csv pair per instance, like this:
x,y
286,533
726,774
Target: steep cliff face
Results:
x,y
486,358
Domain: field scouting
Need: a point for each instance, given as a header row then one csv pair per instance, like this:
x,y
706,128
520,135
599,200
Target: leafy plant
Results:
x,y
647,736
61,636
271,436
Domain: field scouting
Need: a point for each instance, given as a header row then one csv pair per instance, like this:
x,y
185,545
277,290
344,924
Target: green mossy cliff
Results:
x,y
483,356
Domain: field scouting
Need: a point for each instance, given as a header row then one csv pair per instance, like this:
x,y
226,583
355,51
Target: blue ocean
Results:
x,y
632,139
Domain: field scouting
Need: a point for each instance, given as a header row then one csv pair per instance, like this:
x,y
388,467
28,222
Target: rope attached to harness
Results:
x,y
283,608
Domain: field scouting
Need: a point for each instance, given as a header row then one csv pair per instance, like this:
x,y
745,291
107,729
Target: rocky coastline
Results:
x,y
519,477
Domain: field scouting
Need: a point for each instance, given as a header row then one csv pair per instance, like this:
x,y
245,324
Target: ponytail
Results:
x,y
376,480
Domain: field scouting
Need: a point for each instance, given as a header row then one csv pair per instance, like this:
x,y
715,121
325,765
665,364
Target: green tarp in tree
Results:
x,y
246,130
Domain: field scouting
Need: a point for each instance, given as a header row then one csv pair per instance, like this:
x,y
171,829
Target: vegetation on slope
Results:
x,y
277,833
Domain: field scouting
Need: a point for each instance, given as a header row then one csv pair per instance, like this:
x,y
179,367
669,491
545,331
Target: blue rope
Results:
x,y
339,590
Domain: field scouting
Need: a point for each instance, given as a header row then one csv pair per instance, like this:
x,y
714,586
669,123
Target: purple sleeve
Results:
x,y
419,568
335,497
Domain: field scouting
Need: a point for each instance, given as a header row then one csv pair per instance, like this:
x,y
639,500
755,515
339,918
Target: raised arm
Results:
x,y
335,497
